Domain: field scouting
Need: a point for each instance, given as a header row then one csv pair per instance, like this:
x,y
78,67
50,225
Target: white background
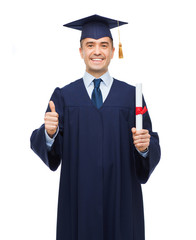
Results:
x,y
37,54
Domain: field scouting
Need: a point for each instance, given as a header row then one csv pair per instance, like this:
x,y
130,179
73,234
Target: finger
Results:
x,y
133,130
141,139
141,134
53,124
51,118
142,131
146,136
51,114
141,142
50,126
52,106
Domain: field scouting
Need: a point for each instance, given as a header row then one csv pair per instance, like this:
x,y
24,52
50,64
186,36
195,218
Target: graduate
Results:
x,y
89,129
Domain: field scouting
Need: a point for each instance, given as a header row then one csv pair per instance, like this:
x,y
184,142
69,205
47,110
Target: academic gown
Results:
x,y
100,195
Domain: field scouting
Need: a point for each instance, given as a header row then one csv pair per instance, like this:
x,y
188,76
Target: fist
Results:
x,y
51,120
141,139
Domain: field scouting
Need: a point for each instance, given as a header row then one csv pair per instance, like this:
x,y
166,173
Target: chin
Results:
x,y
98,70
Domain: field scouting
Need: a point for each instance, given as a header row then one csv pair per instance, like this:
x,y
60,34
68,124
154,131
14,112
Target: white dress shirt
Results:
x,y
105,84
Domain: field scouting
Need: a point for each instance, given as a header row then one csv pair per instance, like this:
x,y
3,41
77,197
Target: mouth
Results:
x,y
97,60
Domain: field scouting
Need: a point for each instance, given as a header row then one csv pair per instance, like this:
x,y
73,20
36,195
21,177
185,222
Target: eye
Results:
x,y
90,45
104,45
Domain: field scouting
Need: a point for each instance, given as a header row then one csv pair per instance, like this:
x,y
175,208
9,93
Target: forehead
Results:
x,y
100,40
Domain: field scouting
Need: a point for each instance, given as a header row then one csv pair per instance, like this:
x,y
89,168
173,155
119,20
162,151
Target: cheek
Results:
x,y
109,56
86,54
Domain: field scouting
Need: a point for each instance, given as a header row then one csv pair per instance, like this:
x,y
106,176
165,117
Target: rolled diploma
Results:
x,y
138,102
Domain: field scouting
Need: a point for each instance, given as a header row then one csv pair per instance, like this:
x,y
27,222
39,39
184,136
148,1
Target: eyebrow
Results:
x,y
91,42
104,42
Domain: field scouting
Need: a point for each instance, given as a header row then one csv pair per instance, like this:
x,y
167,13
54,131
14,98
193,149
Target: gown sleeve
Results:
x,y
145,166
53,157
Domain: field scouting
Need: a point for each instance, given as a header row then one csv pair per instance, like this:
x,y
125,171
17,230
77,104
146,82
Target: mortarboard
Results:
x,y
96,27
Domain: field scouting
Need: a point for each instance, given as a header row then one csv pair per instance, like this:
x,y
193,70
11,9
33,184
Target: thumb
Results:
x,y
52,106
133,130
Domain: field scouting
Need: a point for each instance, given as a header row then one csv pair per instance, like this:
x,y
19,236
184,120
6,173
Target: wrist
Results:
x,y
50,135
145,150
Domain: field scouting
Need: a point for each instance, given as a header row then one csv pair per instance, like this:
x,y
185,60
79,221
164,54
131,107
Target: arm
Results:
x,y
146,139
49,140
51,157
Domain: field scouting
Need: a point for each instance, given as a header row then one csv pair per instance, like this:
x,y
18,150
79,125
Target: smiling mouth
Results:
x,y
97,60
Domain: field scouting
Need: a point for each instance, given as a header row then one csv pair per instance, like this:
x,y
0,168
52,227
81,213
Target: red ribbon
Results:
x,y
140,110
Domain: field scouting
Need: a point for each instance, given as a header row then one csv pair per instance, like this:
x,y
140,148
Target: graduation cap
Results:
x,y
96,27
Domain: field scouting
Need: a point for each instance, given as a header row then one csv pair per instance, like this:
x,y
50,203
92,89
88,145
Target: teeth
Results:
x,y
97,59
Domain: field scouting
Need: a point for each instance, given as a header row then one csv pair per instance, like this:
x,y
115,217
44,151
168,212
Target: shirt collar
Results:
x,y
88,79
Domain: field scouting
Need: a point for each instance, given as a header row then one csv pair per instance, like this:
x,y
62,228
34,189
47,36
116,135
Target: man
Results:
x,y
89,129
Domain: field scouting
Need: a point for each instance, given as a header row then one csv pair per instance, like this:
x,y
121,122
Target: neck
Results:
x,y
96,74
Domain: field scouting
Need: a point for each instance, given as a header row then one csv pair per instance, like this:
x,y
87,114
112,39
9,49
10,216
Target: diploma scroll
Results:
x,y
139,105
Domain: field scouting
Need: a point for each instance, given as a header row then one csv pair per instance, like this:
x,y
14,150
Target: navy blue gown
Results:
x,y
100,195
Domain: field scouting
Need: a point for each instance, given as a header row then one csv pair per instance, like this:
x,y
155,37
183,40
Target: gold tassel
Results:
x,y
120,52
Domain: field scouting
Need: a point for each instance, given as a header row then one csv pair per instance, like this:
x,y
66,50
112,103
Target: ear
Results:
x,y
113,50
81,53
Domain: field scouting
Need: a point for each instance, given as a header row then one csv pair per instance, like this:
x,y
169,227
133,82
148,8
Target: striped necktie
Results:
x,y
96,94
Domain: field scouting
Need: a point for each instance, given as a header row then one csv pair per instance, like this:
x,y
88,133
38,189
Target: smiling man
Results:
x,y
97,54
89,130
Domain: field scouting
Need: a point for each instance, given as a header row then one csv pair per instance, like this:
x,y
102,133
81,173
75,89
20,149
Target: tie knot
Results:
x,y
97,82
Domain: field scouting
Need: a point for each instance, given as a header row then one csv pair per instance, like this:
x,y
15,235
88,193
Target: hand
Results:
x,y
141,139
51,120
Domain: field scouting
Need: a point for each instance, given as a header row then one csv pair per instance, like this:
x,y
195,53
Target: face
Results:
x,y
97,54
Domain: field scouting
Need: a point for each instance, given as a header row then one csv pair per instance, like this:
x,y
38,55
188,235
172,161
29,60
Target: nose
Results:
x,y
97,50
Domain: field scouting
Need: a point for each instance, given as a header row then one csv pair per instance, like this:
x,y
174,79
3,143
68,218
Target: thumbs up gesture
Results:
x,y
51,120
